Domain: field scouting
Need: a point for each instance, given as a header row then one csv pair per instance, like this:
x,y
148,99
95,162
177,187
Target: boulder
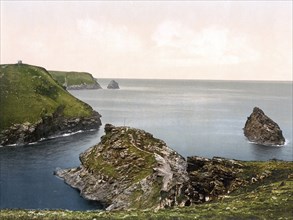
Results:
x,y
260,129
113,85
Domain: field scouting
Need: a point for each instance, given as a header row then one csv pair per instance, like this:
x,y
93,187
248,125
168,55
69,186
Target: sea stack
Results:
x,y
260,129
113,85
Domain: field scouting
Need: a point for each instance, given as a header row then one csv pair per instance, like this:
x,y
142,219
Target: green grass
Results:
x,y
28,93
73,78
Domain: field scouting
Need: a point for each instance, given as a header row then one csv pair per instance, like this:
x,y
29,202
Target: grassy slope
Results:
x,y
271,198
29,92
73,78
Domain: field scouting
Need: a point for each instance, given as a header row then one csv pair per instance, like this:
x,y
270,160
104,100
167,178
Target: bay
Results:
x,y
194,117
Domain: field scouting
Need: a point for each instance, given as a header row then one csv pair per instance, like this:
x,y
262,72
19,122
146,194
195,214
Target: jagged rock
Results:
x,y
113,85
130,168
260,129
211,178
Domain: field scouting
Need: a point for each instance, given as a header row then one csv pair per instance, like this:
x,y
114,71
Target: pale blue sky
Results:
x,y
243,40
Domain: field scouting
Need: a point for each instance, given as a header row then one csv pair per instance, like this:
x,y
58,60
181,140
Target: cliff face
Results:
x,y
130,168
262,130
34,106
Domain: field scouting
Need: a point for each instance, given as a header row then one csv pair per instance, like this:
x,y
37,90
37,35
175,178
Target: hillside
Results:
x,y
29,95
75,80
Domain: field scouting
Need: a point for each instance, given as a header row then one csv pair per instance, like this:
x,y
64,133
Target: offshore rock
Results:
x,y
128,169
260,129
113,85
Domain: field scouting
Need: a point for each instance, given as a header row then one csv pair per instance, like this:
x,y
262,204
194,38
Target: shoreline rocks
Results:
x,y
113,85
260,129
56,124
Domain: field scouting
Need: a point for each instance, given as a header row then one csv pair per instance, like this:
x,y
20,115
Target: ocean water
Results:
x,y
203,118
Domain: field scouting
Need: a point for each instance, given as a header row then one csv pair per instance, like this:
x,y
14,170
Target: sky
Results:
x,y
217,40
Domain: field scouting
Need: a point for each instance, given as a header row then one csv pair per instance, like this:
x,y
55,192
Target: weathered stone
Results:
x,y
260,129
213,177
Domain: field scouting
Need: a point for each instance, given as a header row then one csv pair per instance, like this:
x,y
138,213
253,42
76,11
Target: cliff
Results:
x,y
130,169
34,106
75,80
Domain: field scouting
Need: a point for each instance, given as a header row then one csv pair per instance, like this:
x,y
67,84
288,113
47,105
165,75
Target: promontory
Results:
x,y
130,169
34,106
75,80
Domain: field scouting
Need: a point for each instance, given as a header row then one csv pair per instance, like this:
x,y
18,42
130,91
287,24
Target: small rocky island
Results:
x,y
35,106
113,85
260,129
130,169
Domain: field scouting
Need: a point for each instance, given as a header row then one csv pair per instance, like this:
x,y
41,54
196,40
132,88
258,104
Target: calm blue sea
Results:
x,y
203,118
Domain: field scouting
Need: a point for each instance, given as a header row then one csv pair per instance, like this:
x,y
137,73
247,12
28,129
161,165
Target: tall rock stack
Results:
x,y
260,129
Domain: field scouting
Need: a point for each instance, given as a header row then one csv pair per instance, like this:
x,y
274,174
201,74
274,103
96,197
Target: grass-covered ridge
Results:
x,y
28,93
270,198
73,78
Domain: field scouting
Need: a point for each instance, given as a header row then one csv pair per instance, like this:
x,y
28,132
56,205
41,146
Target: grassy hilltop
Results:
x,y
70,79
28,93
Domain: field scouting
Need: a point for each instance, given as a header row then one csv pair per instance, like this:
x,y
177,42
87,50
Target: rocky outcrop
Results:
x,y
113,85
210,178
260,129
56,124
130,169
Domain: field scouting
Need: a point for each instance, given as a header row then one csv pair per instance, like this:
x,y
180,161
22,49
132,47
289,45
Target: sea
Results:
x,y
194,117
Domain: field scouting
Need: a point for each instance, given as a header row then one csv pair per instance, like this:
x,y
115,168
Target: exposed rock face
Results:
x,y
262,130
113,85
130,168
210,178
49,125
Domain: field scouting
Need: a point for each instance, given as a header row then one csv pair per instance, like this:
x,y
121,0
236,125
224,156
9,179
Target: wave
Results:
x,y
277,145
